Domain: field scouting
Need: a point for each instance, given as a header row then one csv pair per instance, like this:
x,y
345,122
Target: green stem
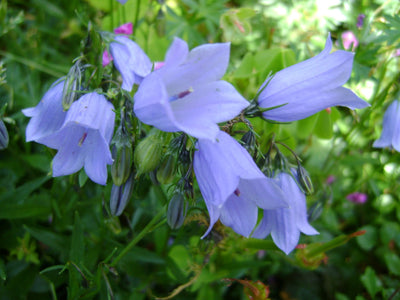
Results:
x,y
136,16
146,230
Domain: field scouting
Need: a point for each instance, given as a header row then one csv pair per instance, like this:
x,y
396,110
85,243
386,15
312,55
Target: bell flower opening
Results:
x,y
285,224
186,93
83,139
232,185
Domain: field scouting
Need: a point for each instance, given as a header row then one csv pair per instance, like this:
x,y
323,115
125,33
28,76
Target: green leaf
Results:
x,y
22,192
38,161
56,241
371,282
323,126
306,126
82,178
369,239
246,68
3,274
392,262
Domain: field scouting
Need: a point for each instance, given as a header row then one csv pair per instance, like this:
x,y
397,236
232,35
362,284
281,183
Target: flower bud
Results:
x,y
120,196
166,171
3,136
72,85
121,167
176,211
148,153
249,141
304,180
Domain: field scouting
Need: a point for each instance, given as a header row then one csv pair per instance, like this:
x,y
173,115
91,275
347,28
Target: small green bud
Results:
x,y
148,153
72,85
176,212
280,162
3,136
166,171
121,167
120,196
304,180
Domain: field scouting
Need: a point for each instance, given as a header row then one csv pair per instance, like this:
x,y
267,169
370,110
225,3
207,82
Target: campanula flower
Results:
x,y
232,185
390,136
130,60
186,93
310,86
83,139
48,116
122,1
357,197
285,224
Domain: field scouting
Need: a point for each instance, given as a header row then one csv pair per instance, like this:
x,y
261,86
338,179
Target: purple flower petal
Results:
x,y
310,86
130,60
390,136
83,140
239,214
285,224
186,93
47,116
228,179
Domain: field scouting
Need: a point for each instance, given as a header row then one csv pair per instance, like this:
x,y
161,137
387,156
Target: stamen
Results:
x,y
237,192
82,139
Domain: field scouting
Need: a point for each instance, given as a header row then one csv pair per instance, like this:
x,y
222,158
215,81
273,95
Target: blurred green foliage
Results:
x,y
58,238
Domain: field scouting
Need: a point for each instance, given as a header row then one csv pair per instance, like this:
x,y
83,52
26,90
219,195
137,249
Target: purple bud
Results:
x,y
360,20
331,179
3,136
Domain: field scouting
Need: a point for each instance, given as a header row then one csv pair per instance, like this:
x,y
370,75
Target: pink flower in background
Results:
x,y
107,58
124,29
330,179
396,53
357,197
349,40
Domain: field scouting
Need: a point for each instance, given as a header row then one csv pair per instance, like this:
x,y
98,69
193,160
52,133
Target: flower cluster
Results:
x,y
186,94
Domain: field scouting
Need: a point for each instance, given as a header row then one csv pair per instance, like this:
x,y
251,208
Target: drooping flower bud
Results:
x,y
72,85
304,180
249,141
122,155
176,211
120,196
148,153
3,136
166,171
